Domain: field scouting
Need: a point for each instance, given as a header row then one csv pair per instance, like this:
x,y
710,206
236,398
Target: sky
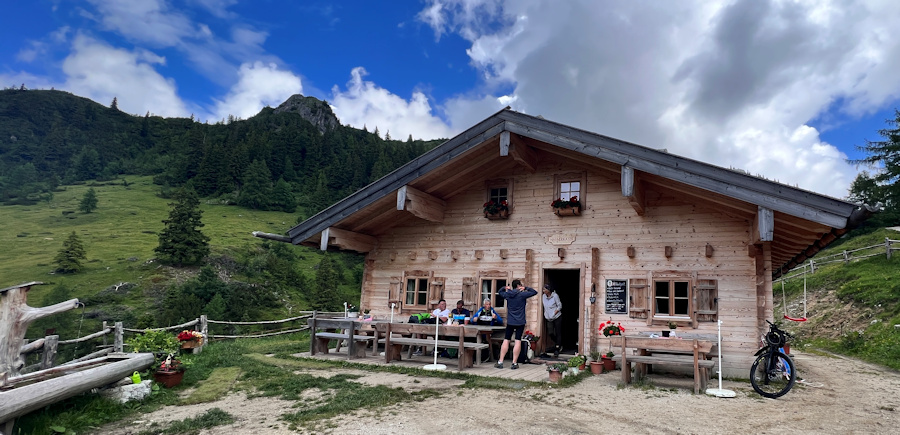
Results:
x,y
781,89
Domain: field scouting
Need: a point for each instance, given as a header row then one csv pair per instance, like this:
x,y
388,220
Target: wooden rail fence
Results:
x,y
845,257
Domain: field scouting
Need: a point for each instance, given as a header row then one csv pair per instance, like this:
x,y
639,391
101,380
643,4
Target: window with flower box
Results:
x,y
569,193
498,199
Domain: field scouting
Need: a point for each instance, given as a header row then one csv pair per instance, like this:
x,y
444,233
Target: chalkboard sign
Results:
x,y
616,296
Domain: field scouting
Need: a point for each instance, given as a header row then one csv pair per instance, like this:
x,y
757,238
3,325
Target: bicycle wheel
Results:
x,y
773,376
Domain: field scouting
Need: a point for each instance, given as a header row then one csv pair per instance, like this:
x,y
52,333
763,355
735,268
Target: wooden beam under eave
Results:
x,y
763,229
633,190
346,240
521,153
421,204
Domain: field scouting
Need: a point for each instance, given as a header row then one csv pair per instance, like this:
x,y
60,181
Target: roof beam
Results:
x,y
633,190
421,204
763,226
346,240
513,146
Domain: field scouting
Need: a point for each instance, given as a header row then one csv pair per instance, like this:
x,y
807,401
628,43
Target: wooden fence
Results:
x,y
843,257
49,345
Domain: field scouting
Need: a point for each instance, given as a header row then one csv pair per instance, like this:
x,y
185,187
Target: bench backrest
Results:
x,y
319,323
661,343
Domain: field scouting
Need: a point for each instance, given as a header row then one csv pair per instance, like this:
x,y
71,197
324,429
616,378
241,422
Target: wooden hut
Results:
x,y
653,238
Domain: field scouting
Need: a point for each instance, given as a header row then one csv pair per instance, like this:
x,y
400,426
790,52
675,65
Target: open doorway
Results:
x,y
566,283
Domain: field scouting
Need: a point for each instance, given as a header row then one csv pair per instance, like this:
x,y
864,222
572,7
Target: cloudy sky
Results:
x,y
784,89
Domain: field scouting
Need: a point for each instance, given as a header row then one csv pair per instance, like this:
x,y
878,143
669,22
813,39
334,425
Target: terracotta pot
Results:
x,y
169,378
596,367
502,214
609,364
581,367
555,375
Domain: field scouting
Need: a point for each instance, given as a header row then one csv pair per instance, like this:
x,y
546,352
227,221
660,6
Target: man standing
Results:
x,y
553,317
516,297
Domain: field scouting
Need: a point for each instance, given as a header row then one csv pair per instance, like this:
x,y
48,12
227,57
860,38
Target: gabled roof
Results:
x,y
804,222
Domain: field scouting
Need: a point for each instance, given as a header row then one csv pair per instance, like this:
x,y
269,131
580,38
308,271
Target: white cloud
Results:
x,y
258,85
150,21
366,104
733,83
101,72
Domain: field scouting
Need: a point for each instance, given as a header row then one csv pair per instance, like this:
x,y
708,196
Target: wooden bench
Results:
x,y
652,351
337,329
396,335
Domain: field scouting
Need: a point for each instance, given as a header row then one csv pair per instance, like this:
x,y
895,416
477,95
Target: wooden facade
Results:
x,y
678,240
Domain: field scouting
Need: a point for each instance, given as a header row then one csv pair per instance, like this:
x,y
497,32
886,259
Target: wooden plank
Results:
x,y
347,240
420,204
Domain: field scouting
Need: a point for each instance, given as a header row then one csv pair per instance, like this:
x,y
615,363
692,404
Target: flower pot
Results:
x,y
192,343
596,367
169,378
555,375
581,367
609,364
502,214
567,211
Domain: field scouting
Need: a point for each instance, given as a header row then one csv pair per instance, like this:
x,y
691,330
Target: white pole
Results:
x,y
436,366
719,392
345,310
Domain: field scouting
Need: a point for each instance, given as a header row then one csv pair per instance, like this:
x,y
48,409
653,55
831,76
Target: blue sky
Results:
x,y
783,89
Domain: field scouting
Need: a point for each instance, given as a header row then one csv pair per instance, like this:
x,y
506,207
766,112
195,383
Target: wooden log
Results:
x,y
87,337
22,400
119,342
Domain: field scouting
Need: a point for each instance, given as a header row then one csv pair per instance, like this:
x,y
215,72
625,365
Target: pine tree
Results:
x,y
282,197
181,242
325,292
115,104
257,190
886,155
88,202
72,254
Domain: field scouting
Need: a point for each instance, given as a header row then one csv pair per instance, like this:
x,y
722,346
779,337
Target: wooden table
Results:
x,y
666,350
350,330
414,334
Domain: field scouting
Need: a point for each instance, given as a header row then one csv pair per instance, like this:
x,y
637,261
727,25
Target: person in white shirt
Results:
x,y
553,318
441,312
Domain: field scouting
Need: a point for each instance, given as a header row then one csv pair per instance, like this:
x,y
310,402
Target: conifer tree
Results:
x,y
89,202
883,154
325,292
72,254
257,190
181,242
114,104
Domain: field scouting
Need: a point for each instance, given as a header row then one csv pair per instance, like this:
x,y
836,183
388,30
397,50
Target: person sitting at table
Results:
x,y
487,315
460,314
441,313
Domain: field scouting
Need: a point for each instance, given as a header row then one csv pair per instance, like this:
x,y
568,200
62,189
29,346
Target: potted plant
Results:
x,y
496,210
190,339
576,363
556,371
609,364
596,363
671,332
570,207
531,339
170,372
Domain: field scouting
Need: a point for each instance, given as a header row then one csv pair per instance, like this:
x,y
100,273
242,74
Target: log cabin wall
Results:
x,y
466,246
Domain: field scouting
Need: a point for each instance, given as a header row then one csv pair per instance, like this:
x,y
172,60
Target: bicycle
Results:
x,y
772,373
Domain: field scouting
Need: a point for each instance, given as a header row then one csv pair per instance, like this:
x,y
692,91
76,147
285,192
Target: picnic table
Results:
x,y
665,351
351,329
397,335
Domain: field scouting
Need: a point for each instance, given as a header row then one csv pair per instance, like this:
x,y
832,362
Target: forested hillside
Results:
x,y
276,160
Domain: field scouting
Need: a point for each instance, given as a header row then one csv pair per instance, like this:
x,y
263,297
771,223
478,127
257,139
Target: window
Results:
x,y
416,291
672,298
498,194
499,190
489,289
568,185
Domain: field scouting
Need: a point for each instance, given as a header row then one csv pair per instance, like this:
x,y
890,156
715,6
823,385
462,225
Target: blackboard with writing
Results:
x,y
616,296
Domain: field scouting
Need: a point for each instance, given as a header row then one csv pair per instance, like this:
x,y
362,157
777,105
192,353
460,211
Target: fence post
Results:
x,y
204,329
812,266
48,356
887,244
118,344
846,257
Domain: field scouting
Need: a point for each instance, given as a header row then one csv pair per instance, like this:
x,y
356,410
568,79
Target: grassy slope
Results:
x,y
852,308
119,236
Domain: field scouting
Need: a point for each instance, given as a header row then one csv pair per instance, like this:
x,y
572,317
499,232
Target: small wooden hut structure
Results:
x,y
654,238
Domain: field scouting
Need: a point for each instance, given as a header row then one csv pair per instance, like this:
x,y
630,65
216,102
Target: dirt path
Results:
x,y
839,396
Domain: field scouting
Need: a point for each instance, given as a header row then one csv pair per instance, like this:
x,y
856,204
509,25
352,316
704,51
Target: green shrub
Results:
x,y
154,341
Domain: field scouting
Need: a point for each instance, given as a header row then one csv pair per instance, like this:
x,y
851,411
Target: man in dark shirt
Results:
x,y
461,311
516,297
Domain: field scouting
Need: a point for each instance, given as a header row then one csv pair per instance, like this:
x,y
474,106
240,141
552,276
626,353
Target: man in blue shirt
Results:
x,y
516,297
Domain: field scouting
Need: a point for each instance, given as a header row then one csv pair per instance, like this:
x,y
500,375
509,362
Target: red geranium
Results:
x,y
609,328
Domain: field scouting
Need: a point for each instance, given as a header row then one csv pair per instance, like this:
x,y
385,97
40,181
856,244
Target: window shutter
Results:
x,y
395,293
707,294
470,293
638,298
436,290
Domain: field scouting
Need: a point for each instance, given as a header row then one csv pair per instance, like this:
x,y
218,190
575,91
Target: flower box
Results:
x,y
567,211
501,214
192,343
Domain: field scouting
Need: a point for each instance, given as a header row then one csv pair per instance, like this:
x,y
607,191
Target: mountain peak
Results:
x,y
311,109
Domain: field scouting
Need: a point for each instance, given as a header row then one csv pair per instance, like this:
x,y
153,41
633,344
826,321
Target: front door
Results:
x,y
566,283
